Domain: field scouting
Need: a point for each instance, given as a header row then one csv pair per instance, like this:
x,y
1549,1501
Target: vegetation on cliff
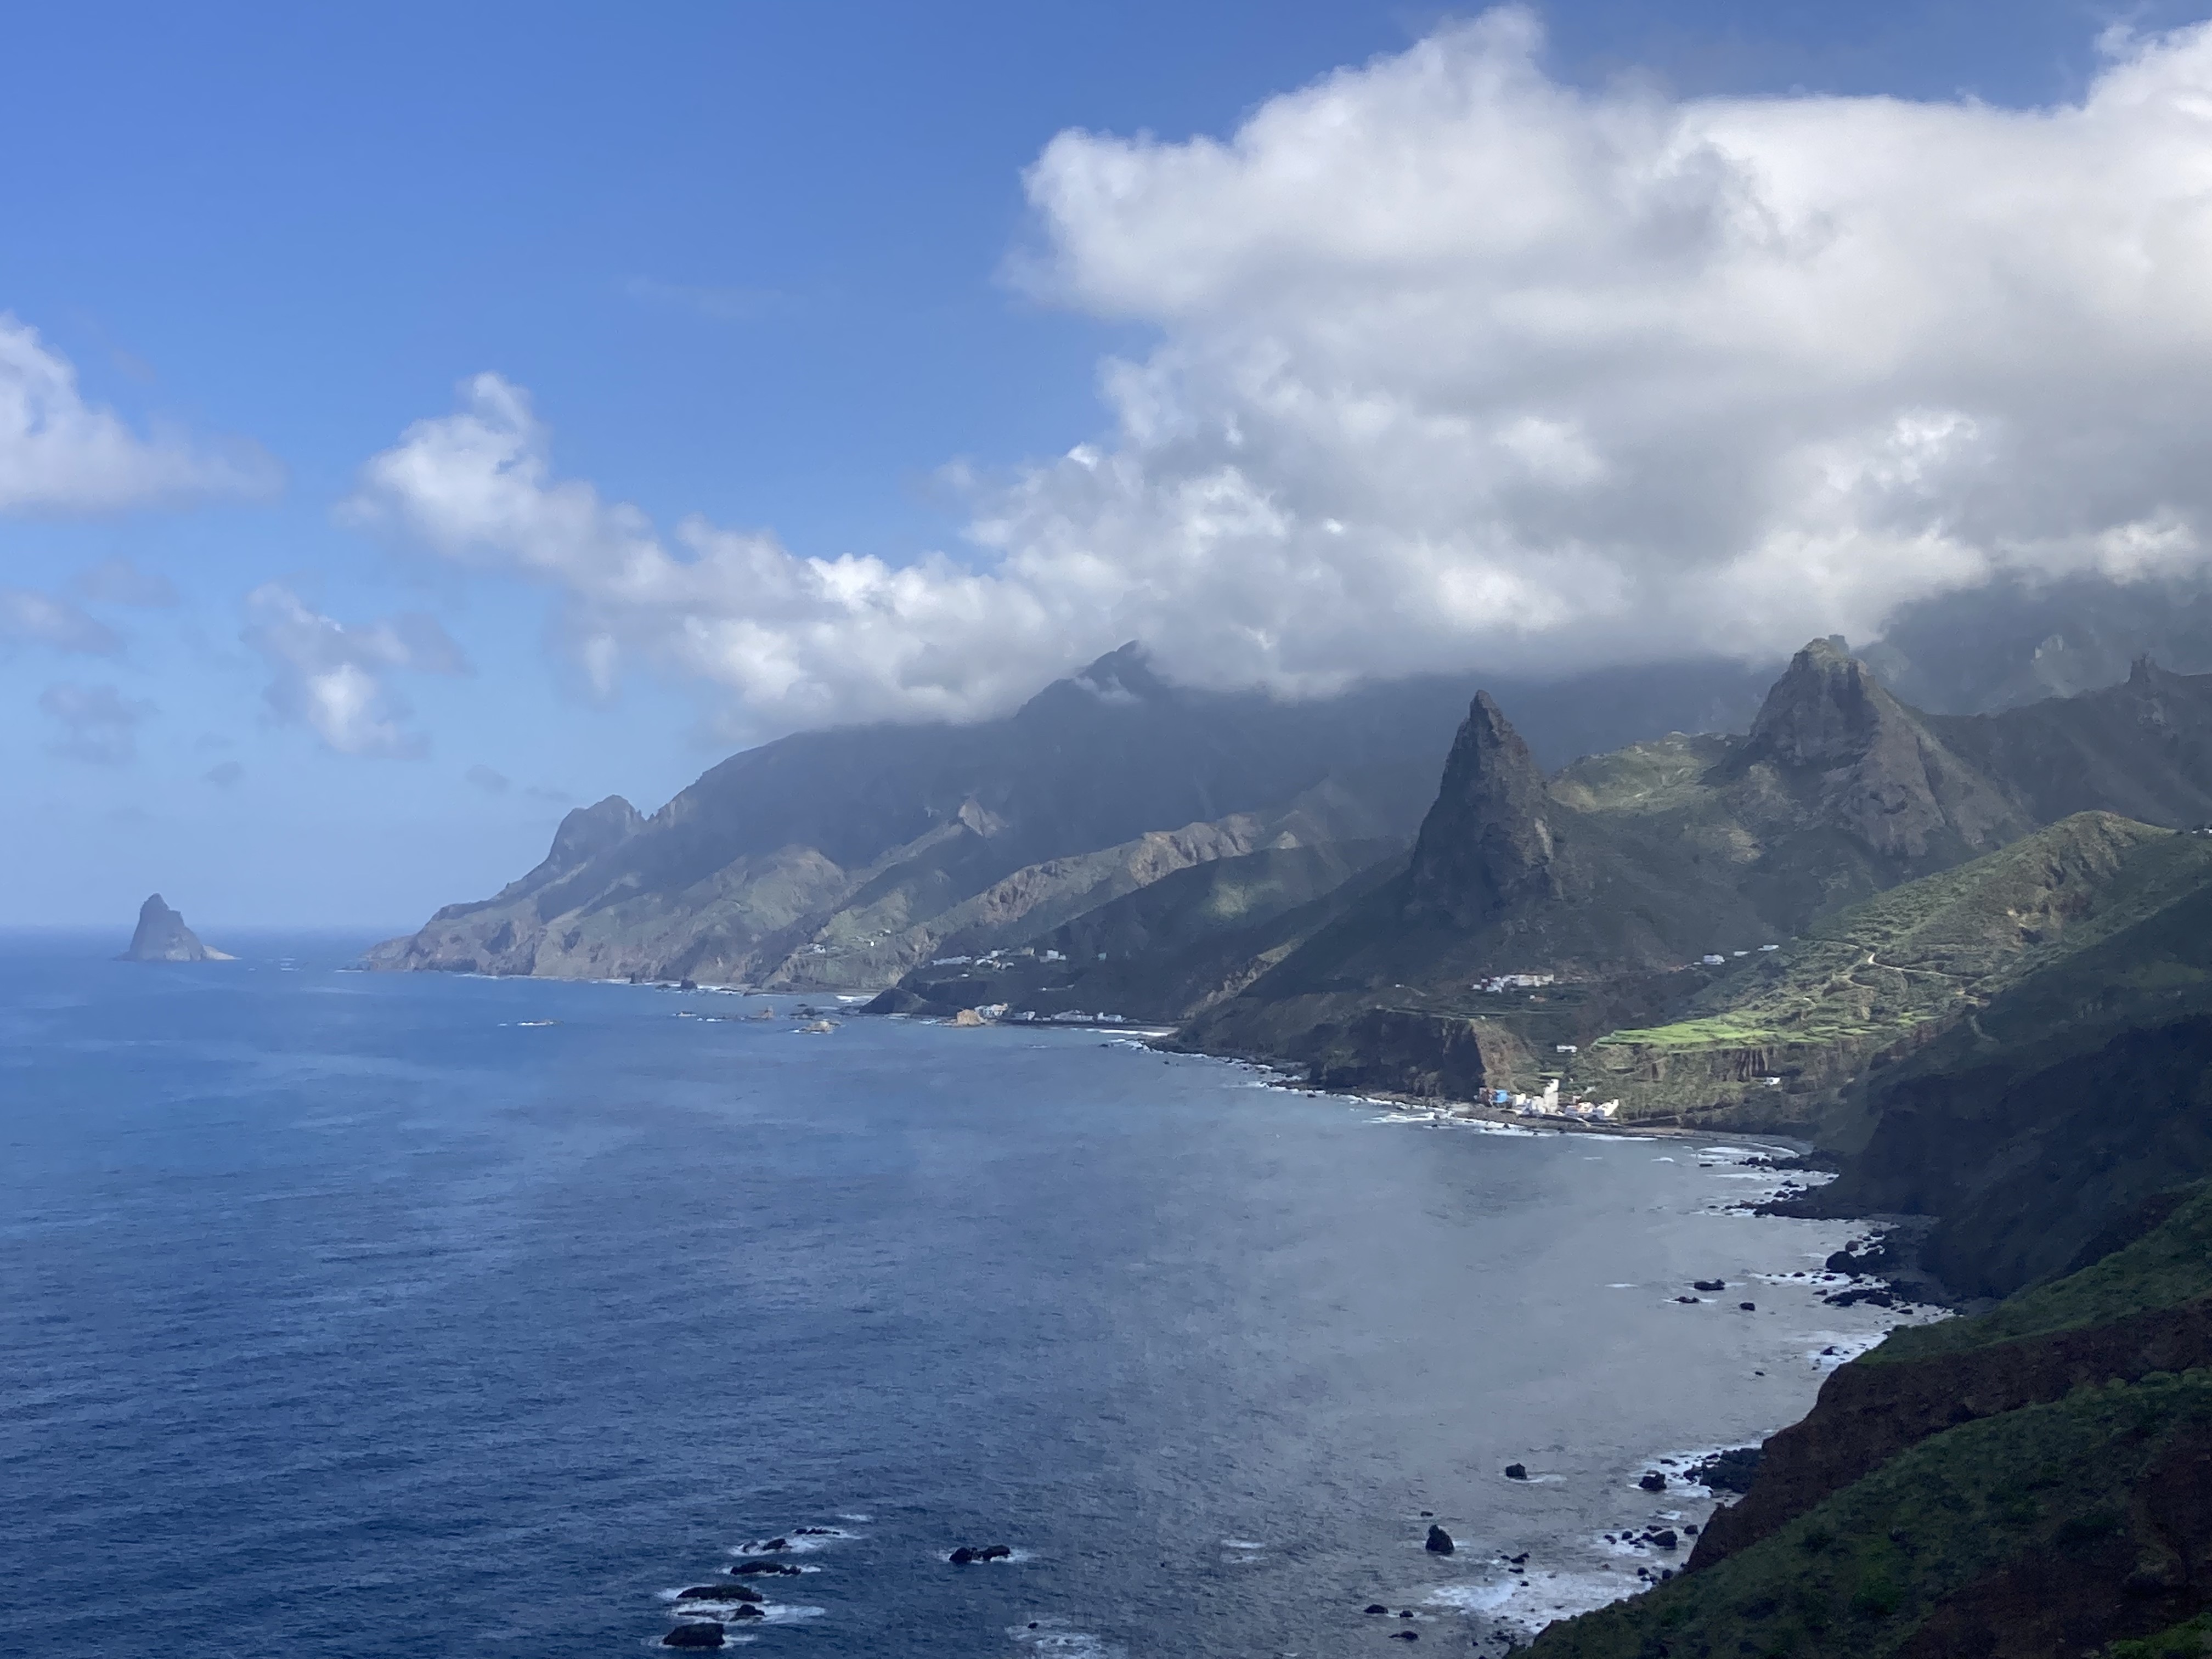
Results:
x,y
2037,1480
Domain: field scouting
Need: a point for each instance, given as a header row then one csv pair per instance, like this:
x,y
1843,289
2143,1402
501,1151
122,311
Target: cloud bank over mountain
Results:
x,y
1457,363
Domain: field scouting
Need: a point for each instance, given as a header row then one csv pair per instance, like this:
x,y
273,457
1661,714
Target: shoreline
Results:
x,y
1587,1536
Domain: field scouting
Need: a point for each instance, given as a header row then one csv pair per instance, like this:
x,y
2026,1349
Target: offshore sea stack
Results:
x,y
162,937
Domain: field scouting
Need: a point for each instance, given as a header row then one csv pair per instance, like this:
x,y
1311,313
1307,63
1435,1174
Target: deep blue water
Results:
x,y
342,1314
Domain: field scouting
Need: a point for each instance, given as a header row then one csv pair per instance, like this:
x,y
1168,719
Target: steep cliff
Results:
x,y
2036,1481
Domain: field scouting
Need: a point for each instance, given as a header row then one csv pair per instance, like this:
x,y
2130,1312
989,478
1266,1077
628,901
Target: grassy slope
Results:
x,y
1858,1575
1897,966
2171,1264
1859,1572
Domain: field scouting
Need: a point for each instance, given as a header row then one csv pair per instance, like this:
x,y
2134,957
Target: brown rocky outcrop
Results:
x,y
1868,1413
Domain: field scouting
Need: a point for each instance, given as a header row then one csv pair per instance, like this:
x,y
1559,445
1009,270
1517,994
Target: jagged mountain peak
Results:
x,y
1122,678
1487,844
1857,760
1827,710
587,831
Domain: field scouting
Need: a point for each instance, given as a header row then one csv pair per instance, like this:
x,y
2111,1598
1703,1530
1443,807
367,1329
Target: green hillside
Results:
x,y
2028,1482
1891,972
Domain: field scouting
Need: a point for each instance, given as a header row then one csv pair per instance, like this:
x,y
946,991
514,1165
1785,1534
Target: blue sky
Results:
x,y
772,264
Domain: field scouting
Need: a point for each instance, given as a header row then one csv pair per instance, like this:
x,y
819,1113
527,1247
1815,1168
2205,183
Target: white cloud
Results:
x,y
334,677
99,724
1458,365
61,454
30,617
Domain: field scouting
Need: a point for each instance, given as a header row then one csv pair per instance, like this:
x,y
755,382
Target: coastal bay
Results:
x,y
376,1315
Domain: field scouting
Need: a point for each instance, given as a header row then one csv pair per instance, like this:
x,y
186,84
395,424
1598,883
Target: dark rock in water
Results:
x,y
1748,1307
1653,1481
1728,1471
814,1532
693,1636
746,1610
967,1554
1665,1539
1439,1541
720,1593
1376,1606
1709,1284
1690,1300
1880,1295
747,1569
773,1544
1405,1636
1516,1471
163,937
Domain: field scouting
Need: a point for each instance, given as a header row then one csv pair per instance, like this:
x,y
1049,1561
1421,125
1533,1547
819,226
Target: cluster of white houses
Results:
x,y
1498,982
1548,1104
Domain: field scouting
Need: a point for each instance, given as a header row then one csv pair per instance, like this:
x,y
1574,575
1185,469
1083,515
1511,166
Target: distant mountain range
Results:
x,y
848,858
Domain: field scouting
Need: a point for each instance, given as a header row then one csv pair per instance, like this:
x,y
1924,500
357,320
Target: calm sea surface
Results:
x,y
344,1315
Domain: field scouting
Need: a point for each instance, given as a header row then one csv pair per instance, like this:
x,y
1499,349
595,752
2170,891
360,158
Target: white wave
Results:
x,y
1530,1603
797,1541
1059,1637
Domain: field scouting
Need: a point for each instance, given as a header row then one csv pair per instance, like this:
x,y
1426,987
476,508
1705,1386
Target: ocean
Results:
x,y
363,1315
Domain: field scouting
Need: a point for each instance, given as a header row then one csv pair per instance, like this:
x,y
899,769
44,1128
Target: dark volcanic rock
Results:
x,y
1728,1471
162,937
720,1593
1516,1471
1376,1606
1439,1541
1487,845
693,1636
967,1554
1870,766
1652,1481
749,1568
